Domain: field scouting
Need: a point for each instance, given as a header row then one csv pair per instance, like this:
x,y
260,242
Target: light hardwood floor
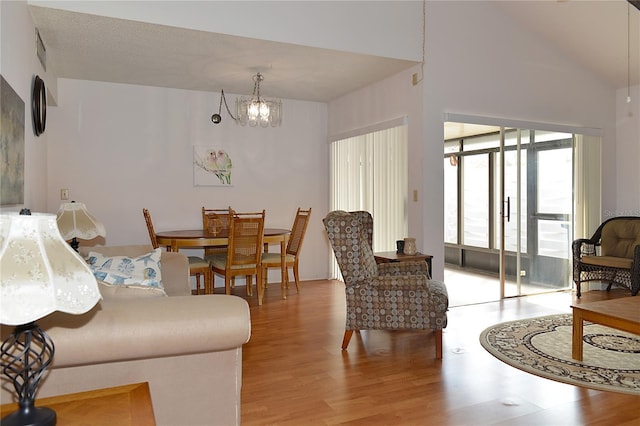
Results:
x,y
295,373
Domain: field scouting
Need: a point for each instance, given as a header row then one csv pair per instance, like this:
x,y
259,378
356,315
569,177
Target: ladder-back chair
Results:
x,y
244,252
197,265
292,253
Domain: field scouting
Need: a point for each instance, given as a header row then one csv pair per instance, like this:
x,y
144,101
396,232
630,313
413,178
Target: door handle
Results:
x,y
508,216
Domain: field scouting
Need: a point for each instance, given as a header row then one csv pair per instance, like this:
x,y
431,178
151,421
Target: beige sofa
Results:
x,y
188,348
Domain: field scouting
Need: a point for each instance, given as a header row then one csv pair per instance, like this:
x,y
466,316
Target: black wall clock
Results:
x,y
39,106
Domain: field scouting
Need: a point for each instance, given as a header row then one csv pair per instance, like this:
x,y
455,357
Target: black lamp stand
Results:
x,y
26,354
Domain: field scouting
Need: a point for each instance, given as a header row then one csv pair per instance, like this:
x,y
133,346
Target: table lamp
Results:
x,y
74,221
39,274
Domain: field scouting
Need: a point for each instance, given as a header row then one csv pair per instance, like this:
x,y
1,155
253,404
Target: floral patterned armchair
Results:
x,y
390,296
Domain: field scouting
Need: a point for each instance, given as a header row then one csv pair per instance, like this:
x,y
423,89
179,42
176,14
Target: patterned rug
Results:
x,y
542,346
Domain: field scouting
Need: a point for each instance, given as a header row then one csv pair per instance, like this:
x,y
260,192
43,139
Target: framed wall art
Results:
x,y
11,145
211,166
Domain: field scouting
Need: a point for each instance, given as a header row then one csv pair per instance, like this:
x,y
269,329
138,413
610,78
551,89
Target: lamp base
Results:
x,y
74,244
30,416
26,354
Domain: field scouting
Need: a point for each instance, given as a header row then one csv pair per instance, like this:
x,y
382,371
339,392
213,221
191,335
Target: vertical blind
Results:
x,y
369,172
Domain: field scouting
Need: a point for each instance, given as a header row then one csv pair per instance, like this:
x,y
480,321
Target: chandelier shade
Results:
x,y
254,109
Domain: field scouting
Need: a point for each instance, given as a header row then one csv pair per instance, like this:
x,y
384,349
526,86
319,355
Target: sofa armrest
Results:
x,y
148,328
175,274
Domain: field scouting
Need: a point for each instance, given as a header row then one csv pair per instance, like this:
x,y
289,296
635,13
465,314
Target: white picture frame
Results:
x,y
212,166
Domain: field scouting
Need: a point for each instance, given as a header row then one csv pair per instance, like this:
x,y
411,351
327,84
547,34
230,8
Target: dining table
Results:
x,y
195,238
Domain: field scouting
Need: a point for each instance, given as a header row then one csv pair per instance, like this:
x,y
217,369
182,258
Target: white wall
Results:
x,y
627,166
479,63
18,65
119,148
391,98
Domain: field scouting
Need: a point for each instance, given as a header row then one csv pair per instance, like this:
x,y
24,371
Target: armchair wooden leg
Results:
x,y
438,344
346,339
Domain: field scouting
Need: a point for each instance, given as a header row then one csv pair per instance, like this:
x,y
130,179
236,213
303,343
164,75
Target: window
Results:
x,y
369,172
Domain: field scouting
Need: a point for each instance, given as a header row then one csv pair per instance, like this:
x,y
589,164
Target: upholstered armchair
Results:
x,y
391,296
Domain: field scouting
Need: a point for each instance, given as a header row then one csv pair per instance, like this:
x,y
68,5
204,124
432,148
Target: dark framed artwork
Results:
x,y
11,145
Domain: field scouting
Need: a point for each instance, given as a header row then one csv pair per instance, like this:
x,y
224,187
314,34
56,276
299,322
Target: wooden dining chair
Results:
x,y
215,221
244,252
274,260
197,265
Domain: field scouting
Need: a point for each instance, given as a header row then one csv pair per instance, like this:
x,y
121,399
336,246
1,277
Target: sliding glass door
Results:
x,y
509,207
536,211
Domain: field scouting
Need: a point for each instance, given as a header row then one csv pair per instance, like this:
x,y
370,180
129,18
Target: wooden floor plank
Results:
x,y
294,371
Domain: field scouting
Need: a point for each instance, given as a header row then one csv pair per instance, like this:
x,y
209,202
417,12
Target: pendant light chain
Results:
x,y
628,52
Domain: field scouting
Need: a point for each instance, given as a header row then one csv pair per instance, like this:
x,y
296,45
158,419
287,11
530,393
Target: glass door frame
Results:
x,y
497,239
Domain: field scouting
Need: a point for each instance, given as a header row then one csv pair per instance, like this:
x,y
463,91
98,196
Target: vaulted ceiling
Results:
x,y
90,47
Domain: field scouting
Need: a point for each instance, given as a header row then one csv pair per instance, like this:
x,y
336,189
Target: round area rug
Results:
x,y
542,346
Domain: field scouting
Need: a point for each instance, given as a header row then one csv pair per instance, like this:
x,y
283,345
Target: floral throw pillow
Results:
x,y
142,270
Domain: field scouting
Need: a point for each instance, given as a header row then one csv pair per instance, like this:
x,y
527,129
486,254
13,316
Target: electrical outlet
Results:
x,y
415,78
523,273
415,195
64,194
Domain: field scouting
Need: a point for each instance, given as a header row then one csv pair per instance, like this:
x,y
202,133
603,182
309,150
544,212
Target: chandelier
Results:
x,y
256,110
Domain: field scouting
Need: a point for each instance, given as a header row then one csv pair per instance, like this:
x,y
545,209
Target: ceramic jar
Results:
x,y
410,246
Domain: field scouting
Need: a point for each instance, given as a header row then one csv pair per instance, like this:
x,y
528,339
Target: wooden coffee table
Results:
x,y
121,405
622,314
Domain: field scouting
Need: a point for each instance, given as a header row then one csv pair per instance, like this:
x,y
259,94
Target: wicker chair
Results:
x,y
244,254
215,221
197,265
611,255
391,296
274,260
